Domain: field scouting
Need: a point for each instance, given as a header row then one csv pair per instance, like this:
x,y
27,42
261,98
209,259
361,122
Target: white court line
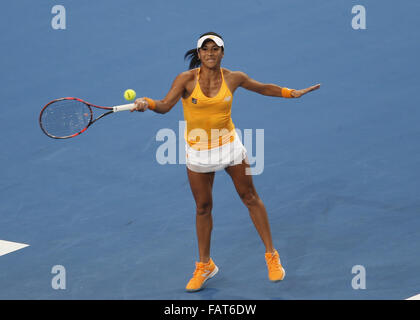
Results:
x,y
416,297
8,246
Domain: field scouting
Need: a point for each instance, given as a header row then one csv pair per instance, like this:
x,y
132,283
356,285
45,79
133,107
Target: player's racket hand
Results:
x,y
299,93
140,105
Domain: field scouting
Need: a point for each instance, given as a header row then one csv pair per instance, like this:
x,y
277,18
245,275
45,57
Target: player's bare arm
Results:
x,y
172,97
268,89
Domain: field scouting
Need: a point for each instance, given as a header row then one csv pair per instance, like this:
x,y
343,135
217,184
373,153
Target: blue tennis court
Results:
x,y
340,174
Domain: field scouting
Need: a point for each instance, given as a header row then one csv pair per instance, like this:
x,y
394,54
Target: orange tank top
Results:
x,y
208,120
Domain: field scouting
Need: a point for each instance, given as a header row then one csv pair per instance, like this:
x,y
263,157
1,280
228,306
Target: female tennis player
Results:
x,y
206,91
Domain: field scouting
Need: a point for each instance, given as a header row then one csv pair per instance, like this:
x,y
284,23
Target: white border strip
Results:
x,y
8,246
416,297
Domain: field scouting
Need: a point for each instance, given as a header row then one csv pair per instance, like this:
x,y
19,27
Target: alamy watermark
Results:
x,y
173,151
359,280
58,22
58,282
359,20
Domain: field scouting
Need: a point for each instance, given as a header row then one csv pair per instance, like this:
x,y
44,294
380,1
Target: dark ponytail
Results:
x,y
192,54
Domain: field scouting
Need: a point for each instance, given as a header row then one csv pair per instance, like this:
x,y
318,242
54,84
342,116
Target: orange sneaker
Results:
x,y
275,270
203,272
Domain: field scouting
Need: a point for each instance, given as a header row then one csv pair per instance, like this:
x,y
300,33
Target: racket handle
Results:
x,y
124,107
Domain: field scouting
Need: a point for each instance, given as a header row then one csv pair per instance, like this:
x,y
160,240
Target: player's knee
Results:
x,y
250,198
204,207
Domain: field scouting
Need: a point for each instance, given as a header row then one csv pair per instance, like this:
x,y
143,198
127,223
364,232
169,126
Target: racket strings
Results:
x,y
65,118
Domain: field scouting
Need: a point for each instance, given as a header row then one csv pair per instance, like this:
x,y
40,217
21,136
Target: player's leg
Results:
x,y
249,196
201,186
246,190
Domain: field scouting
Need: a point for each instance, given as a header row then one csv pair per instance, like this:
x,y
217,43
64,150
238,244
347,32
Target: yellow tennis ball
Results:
x,y
129,94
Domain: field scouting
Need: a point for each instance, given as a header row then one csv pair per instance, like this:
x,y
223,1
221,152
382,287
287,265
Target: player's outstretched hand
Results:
x,y
299,93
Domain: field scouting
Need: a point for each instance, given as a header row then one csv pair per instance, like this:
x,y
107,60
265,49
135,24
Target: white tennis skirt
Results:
x,y
215,159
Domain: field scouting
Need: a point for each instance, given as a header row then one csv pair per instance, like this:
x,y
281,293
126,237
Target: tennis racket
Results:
x,y
68,117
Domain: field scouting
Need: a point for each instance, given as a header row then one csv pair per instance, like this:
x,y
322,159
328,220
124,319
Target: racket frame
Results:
x,y
113,109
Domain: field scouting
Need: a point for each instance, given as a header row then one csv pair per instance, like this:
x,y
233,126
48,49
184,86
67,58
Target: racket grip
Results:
x,y
124,107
